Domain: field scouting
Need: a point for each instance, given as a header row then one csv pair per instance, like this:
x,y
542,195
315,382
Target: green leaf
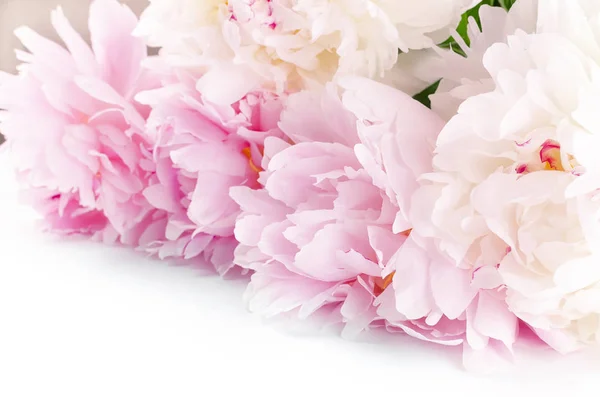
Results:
x,y
464,21
423,96
462,28
506,4
451,44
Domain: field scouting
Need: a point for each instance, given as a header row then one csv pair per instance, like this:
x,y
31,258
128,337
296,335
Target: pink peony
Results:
x,y
319,233
200,151
72,125
312,232
330,231
109,166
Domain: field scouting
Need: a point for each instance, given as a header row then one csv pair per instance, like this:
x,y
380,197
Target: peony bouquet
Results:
x,y
426,167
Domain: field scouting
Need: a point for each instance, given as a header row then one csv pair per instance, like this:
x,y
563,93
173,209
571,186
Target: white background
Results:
x,y
82,319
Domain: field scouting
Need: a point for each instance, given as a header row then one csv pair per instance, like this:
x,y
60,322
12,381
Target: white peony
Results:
x,y
516,187
466,76
289,45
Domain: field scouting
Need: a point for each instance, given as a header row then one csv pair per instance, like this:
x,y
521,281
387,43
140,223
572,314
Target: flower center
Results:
x,y
550,156
550,159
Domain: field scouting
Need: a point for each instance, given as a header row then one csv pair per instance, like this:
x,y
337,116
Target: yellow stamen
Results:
x,y
550,156
248,153
382,283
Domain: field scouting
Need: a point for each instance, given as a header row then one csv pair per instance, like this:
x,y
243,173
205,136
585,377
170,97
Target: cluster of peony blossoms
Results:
x,y
280,139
